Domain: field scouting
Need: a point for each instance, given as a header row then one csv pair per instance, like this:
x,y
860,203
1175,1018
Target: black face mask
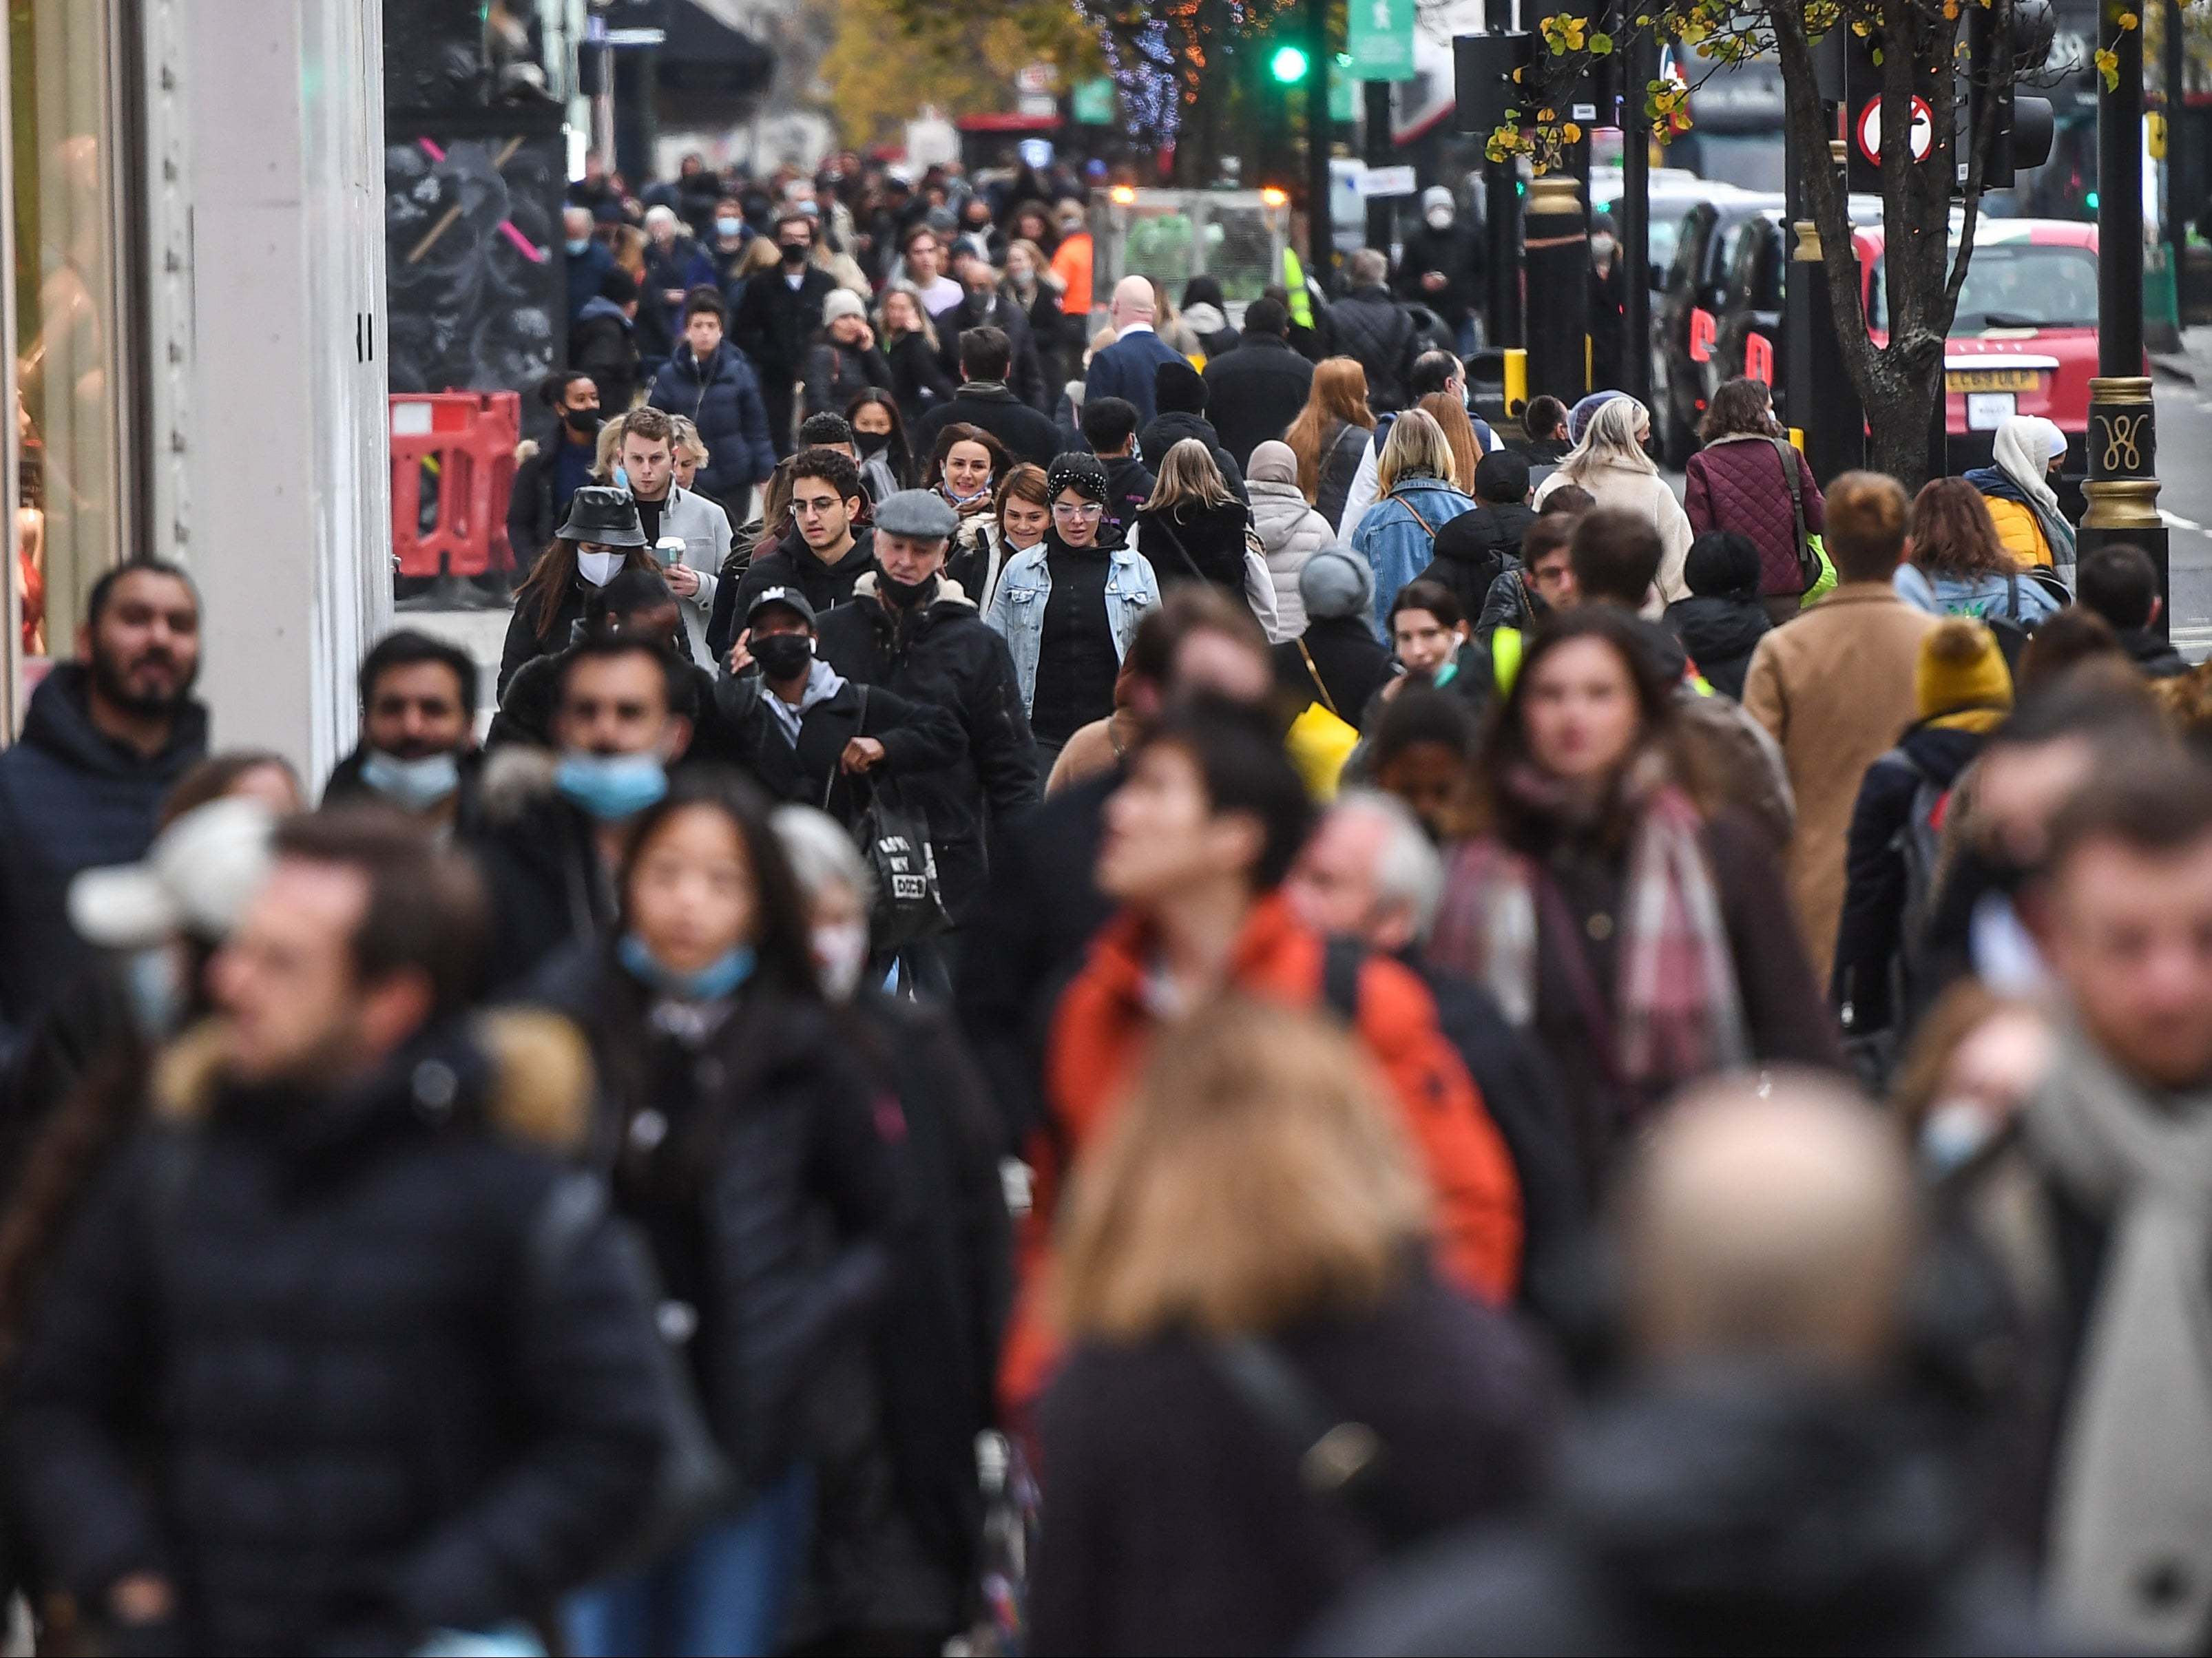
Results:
x,y
905,594
586,422
870,443
783,656
794,252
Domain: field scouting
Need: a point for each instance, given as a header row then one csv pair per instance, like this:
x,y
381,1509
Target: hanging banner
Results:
x,y
1379,39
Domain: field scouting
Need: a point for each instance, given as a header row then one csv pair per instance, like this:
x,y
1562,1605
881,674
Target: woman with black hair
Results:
x,y
601,539
879,434
746,1144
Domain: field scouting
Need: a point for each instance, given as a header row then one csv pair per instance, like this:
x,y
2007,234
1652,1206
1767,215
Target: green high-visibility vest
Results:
x,y
1505,658
1294,279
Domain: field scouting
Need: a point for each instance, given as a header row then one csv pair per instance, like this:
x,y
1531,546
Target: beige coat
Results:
x,y
1632,490
1834,686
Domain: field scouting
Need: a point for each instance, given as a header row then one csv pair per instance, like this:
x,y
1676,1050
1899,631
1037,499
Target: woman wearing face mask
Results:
x,y
1609,301
843,363
879,434
965,465
909,342
887,1574
745,1144
603,535
1644,942
1068,607
982,546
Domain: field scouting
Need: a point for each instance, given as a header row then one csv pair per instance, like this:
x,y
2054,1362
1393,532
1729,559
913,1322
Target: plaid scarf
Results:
x,y
1679,1015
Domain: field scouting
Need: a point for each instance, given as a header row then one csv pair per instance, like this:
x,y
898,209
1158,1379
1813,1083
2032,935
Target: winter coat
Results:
x,y
374,1351
1678,1523
1016,615
836,373
1397,537
723,399
1186,544
71,798
978,558
1871,932
526,707
917,738
1180,1524
1103,1030
2018,525
1129,485
549,886
1475,548
991,406
919,382
1352,667
1341,452
524,644
1983,597
602,344
1290,532
940,656
533,516
1125,368
1024,374
1164,431
583,271
1834,688
1630,490
1720,634
772,322
1375,329
789,564
1737,484
703,526
1255,393
1457,252
1511,603
1210,327
2155,656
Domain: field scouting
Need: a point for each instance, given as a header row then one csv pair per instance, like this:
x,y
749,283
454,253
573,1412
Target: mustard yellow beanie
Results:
x,y
1960,667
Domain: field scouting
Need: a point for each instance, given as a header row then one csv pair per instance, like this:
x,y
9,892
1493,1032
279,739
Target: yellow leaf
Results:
x,y
1571,133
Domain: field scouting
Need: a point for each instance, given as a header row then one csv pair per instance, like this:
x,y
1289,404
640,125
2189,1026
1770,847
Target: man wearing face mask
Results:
x,y
1442,266
638,604
547,475
419,750
552,828
709,382
586,257
911,630
1608,303
803,731
778,313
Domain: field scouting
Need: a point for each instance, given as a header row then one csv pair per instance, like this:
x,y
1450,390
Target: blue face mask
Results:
x,y
728,227
610,786
577,246
411,785
153,981
718,978
622,478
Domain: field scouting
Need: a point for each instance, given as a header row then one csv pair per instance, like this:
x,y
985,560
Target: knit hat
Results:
x,y
1960,667
1085,474
1272,462
1336,581
842,302
1578,418
1177,388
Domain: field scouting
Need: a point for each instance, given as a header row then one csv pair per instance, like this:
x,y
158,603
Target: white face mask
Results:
x,y
597,568
1439,218
841,952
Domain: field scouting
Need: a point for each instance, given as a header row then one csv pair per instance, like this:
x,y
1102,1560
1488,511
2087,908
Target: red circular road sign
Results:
x,y
1870,130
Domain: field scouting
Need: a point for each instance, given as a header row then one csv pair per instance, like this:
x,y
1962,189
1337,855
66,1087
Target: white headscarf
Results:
x,y
2026,447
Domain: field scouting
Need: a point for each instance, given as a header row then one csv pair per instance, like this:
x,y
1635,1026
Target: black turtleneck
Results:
x,y
1076,664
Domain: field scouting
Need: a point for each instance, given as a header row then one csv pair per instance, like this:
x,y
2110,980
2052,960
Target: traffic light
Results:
x,y
1288,65
2025,124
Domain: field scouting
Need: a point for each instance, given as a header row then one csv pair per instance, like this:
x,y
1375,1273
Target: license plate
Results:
x,y
1991,379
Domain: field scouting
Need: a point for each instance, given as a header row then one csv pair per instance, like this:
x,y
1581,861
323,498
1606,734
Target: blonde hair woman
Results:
x,y
1194,528
690,450
1610,463
1330,434
1415,498
1251,1219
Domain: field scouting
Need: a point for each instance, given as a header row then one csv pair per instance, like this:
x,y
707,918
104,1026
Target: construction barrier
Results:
x,y
465,441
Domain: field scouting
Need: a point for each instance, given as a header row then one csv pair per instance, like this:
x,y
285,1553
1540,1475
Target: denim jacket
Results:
x,y
1398,537
1018,608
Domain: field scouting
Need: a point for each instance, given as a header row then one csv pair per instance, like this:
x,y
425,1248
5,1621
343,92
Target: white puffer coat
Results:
x,y
1290,532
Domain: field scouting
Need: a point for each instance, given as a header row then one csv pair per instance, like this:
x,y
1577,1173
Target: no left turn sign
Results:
x,y
1870,130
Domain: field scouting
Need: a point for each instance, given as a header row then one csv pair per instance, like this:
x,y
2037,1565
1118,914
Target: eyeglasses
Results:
x,y
1077,509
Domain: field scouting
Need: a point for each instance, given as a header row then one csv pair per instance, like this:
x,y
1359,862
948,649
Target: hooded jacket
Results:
x,y
374,1349
1720,634
1190,543
722,399
1351,667
540,859
71,798
1129,485
790,565
940,655
917,739
1170,427
1475,548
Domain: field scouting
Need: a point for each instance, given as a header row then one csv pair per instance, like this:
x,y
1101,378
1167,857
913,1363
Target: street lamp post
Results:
x,y
2122,490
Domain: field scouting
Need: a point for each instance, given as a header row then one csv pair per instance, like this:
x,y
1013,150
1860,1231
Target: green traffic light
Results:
x,y
1288,65
2090,201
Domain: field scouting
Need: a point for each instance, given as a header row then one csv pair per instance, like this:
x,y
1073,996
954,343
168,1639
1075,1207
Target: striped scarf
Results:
x,y
1679,1015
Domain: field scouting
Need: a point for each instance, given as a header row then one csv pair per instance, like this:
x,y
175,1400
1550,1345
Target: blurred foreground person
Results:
x,y
1270,1391
2122,1131
417,752
744,1142
336,1358
1765,1484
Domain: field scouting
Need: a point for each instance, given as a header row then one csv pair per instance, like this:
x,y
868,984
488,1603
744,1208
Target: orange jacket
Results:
x,y
1099,1038
1071,263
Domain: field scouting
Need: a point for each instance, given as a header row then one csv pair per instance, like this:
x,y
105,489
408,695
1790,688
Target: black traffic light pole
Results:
x,y
1320,227
1635,215
2123,437
1501,182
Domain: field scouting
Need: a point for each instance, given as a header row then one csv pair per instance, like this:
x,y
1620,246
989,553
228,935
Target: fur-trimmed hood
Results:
x,y
948,591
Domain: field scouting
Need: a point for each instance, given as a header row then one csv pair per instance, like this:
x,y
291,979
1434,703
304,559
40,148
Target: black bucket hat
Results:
x,y
603,516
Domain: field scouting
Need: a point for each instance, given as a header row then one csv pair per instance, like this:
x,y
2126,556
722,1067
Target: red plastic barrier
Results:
x,y
471,436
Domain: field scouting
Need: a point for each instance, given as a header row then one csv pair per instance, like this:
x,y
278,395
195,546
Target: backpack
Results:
x,y
1919,842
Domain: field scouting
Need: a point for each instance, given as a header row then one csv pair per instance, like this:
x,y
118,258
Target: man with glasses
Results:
x,y
825,555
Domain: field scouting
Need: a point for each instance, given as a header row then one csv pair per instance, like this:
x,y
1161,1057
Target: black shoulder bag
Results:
x,y
1809,561
909,904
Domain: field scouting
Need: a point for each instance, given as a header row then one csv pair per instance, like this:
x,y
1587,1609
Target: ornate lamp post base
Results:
x,y
2123,483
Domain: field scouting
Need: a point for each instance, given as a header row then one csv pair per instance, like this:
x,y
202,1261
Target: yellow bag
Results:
x,y
1318,744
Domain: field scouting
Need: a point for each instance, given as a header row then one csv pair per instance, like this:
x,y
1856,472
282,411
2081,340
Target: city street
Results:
x,y
2184,444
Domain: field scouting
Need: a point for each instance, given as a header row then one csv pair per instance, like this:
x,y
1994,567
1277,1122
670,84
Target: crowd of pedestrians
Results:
x,y
1183,1002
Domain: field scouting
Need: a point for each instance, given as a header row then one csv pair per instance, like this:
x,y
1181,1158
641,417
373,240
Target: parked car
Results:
x,y
1684,322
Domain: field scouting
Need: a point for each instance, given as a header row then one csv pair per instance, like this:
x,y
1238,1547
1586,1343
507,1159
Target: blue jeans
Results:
x,y
724,1593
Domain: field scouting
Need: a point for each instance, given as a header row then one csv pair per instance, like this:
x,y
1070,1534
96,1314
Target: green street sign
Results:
x,y
1343,90
1380,39
1092,102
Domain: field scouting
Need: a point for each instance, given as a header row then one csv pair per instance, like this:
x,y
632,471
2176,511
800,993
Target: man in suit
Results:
x,y
1125,368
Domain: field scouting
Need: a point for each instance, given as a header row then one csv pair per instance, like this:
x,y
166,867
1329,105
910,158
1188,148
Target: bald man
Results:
x,y
1125,368
1765,1482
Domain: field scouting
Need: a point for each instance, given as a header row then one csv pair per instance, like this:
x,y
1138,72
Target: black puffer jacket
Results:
x,y
371,1351
1190,544
1168,428
1511,603
1475,548
941,655
1375,329
1736,1512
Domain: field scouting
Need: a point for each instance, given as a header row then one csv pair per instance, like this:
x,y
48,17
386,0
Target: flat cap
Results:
x,y
919,514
